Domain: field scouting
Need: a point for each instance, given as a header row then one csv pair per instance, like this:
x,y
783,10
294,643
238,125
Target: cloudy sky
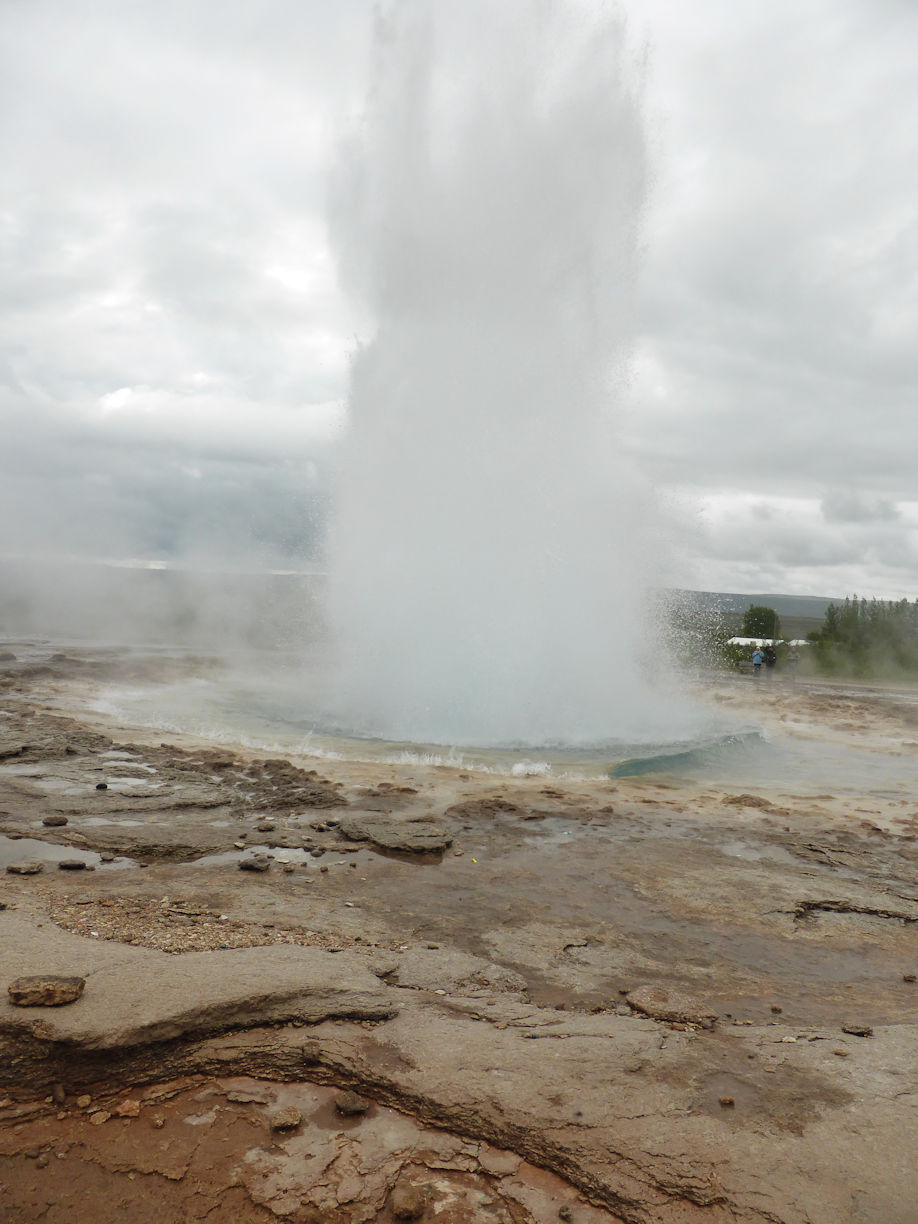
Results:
x,y
174,344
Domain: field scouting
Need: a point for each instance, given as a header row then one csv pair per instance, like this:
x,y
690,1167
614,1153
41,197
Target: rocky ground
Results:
x,y
655,1000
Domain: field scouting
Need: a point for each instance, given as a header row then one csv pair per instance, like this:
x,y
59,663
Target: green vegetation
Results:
x,y
860,638
761,622
876,638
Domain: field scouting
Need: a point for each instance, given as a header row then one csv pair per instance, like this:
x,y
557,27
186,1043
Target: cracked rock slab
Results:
x,y
136,995
390,833
671,1006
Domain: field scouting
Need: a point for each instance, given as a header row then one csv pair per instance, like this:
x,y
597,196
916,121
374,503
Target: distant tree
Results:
x,y
875,638
761,622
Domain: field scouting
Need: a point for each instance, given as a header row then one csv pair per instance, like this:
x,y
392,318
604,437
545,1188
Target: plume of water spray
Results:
x,y
489,550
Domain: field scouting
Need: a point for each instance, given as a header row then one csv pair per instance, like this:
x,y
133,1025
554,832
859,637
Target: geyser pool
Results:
x,y
491,547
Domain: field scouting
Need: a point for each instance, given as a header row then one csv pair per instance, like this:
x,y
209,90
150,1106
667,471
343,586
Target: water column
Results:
x,y
490,548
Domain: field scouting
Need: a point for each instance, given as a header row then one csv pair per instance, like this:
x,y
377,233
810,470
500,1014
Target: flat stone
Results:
x,y
31,868
258,862
857,1030
499,1163
248,1096
140,996
71,865
671,1006
55,821
45,991
390,833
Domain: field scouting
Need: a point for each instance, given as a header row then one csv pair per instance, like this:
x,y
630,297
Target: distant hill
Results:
x,y
785,605
800,614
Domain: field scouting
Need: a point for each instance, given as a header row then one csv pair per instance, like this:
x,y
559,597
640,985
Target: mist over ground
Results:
x,y
221,612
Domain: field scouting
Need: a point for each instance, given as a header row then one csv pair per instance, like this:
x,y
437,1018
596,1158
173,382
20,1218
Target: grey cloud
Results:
x,y
781,260
844,506
162,161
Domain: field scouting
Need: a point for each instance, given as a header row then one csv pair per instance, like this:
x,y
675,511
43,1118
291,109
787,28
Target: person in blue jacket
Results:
x,y
757,660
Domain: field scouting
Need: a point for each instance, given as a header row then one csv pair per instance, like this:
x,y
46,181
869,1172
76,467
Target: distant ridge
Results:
x,y
809,606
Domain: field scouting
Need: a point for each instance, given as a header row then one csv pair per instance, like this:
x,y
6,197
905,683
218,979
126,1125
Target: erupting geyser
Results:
x,y
489,549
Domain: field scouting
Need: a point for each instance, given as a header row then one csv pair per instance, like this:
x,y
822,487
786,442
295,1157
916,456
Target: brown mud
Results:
x,y
579,999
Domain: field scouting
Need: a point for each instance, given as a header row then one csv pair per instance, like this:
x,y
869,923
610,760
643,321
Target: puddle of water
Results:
x,y
728,1088
327,1118
758,852
362,858
109,820
30,849
143,785
277,855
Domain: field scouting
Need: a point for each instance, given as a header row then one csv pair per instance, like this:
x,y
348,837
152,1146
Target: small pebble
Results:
x,y
286,1119
727,1102
408,1202
351,1103
908,977
258,862
777,1008
841,1053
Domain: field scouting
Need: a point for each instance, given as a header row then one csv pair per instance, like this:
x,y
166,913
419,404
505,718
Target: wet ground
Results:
x,y
779,894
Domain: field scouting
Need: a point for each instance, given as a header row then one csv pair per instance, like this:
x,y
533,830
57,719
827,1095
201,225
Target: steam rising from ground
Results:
x,y
489,551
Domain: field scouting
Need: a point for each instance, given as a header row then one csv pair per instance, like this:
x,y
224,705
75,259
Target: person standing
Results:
x,y
757,660
771,658
793,659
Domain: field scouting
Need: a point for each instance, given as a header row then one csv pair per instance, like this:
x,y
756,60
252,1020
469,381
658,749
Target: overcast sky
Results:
x,y
174,345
